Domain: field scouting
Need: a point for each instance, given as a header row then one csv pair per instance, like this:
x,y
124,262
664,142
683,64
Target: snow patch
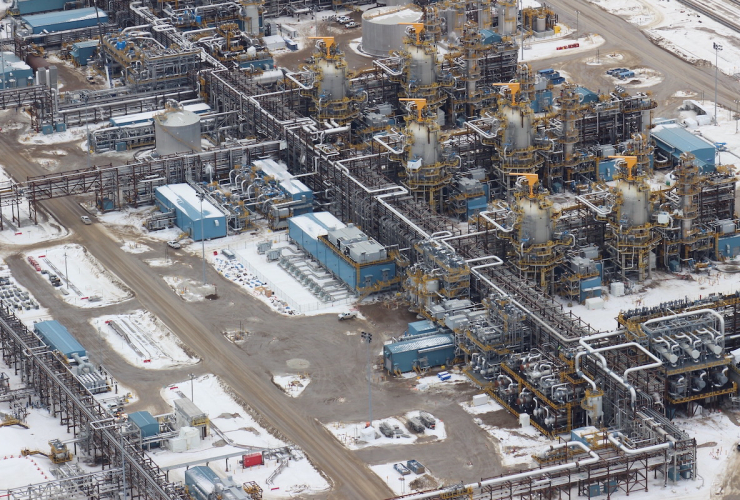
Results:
x,y
292,385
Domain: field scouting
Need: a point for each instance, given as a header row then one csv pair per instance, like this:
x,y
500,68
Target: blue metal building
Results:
x,y
421,327
56,336
729,246
65,20
345,251
14,72
429,350
34,6
201,482
147,425
82,52
673,140
586,95
183,200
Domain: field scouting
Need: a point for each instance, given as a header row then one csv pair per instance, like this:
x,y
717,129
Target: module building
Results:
x,y
348,253
65,20
183,200
56,336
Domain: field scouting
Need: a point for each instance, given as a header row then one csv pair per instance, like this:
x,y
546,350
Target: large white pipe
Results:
x,y
593,458
714,313
635,451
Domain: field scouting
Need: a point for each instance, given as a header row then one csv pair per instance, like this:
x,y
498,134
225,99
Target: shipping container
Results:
x,y
252,460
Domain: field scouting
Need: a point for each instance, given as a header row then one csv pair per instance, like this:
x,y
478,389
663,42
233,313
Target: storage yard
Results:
x,y
261,250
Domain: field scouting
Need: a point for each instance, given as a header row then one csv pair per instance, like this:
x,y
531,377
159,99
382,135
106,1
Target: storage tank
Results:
x,y
507,14
176,130
381,28
536,222
422,66
424,142
635,208
541,23
333,80
518,132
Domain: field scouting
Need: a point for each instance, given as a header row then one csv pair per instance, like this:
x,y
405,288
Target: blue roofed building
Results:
x,y
419,352
56,336
345,251
64,20
145,423
672,140
184,201
14,73
34,6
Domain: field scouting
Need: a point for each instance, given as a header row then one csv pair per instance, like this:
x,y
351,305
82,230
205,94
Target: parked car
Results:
x,y
402,469
86,220
347,315
351,25
343,19
174,244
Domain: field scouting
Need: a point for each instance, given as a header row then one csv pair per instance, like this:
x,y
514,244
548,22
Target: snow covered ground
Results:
x,y
135,247
233,430
25,232
402,485
549,48
489,407
680,30
662,287
292,385
91,285
148,343
432,382
189,290
354,436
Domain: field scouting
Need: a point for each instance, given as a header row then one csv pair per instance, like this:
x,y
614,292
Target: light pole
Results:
x,y
192,385
202,236
717,48
736,115
66,272
578,13
86,98
368,338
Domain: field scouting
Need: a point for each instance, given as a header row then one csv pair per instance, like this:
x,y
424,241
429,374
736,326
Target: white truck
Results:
x,y
347,315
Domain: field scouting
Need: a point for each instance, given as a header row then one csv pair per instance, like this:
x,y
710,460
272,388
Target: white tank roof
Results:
x,y
392,15
179,118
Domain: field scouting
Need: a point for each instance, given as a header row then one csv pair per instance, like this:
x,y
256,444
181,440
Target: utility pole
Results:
x,y
736,115
578,13
368,338
66,272
717,48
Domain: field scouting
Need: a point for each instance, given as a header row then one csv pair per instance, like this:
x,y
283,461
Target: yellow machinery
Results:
x,y
58,454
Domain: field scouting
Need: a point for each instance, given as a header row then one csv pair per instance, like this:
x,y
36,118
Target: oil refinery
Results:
x,y
477,208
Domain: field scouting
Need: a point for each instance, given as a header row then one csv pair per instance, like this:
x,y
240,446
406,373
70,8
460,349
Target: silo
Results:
x,y
536,222
176,130
381,28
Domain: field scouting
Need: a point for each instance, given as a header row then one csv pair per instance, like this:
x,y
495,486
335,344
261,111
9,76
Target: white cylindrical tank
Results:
x,y
425,142
536,222
635,202
422,66
333,83
507,15
541,23
518,131
177,131
381,31
252,26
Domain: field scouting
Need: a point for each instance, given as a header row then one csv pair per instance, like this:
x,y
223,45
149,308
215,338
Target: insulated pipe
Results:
x,y
630,451
593,458
714,313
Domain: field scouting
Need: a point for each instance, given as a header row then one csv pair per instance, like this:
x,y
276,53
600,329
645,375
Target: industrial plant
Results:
x,y
480,199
